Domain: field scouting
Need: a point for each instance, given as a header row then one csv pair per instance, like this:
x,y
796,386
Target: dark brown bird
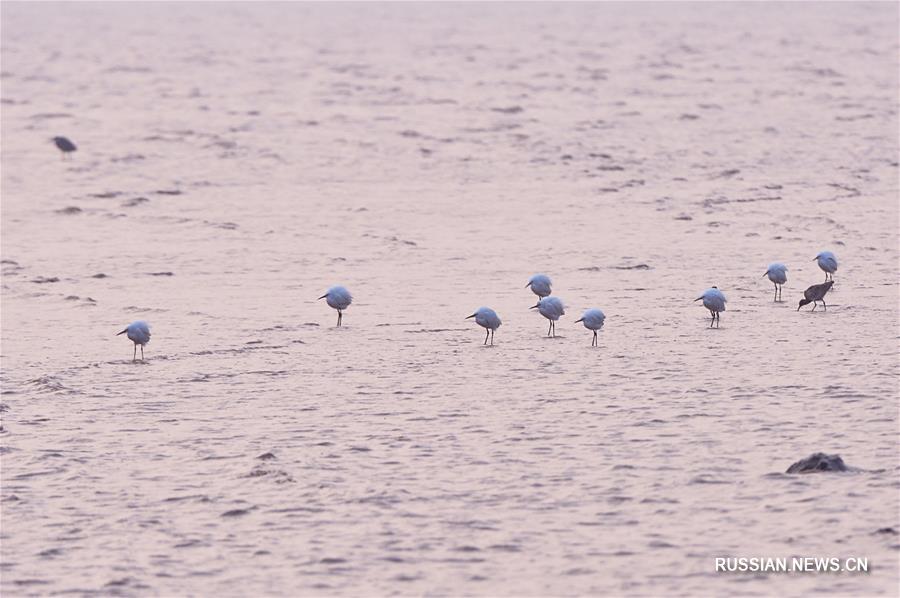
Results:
x,y
816,293
64,145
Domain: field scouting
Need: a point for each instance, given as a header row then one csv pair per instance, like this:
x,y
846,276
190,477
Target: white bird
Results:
x,y
139,333
551,308
827,262
713,300
777,273
593,320
540,285
339,298
488,319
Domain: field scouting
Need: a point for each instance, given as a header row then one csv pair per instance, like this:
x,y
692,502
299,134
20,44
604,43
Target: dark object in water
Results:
x,y
816,293
818,462
64,145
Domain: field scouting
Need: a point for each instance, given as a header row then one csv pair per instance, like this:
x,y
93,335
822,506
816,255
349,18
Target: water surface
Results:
x,y
235,160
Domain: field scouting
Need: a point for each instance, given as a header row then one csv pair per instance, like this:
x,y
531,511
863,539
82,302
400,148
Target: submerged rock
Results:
x,y
818,462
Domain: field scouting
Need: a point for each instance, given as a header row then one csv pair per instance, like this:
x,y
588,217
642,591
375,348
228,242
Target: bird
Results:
x,y
64,145
713,300
551,308
540,285
777,273
816,293
339,298
827,262
593,320
488,319
139,333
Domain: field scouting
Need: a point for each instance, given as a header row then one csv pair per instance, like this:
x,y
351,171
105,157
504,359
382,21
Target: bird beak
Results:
x,y
698,298
527,285
579,320
764,274
532,307
472,316
798,307
323,296
123,332
815,258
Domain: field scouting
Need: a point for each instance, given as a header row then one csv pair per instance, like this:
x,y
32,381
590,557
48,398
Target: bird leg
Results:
x,y
339,317
824,305
550,328
776,292
815,304
594,342
134,357
487,333
492,337
142,352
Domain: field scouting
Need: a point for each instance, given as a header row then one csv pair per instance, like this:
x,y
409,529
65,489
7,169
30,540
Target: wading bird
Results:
x,y
339,298
777,273
551,308
713,300
814,294
488,319
540,285
828,263
64,145
138,333
593,320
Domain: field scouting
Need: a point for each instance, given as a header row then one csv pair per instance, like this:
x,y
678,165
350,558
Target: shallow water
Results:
x,y
234,161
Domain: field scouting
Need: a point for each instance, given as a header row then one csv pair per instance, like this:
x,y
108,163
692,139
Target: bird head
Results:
x,y
802,303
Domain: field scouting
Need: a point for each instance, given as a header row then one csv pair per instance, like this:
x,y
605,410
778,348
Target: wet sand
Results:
x,y
234,161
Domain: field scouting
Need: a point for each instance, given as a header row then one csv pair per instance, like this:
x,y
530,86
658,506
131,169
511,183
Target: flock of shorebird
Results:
x,y
551,307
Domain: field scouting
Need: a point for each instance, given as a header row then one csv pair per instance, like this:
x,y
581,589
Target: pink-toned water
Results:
x,y
235,160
